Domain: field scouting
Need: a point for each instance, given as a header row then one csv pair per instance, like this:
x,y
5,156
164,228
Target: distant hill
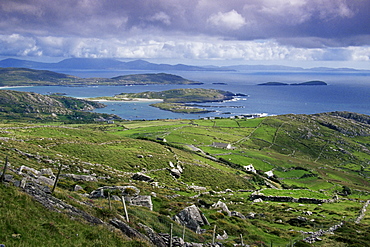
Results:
x,y
160,78
23,76
307,83
114,64
103,63
31,77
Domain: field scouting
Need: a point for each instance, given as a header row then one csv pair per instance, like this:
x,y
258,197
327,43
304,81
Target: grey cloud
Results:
x,y
111,27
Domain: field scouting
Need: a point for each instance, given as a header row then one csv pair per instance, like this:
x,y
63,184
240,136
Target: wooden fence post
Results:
x,y
171,235
124,207
2,178
56,179
110,204
183,233
214,235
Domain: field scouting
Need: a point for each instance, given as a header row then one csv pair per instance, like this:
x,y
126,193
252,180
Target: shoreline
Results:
x,y
127,100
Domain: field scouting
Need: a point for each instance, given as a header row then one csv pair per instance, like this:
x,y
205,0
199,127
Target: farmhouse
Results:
x,y
269,174
222,145
250,168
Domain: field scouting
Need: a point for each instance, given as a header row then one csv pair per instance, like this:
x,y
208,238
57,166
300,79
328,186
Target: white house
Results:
x,y
269,174
250,168
222,145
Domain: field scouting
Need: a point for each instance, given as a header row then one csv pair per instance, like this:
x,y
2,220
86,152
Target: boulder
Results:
x,y
77,188
142,177
224,236
237,214
221,205
124,190
47,172
86,178
192,218
144,201
176,173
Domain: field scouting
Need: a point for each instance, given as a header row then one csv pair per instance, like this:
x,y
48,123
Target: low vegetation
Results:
x,y
324,157
176,100
31,77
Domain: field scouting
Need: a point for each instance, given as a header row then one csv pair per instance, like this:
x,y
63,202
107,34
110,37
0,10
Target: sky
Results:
x,y
333,33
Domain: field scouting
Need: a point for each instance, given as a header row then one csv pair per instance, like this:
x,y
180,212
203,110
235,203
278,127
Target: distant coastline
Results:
x,y
307,83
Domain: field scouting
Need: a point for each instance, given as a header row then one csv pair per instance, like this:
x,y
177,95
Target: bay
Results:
x,y
346,91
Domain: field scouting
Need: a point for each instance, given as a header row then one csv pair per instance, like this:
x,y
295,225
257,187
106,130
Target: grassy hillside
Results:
x,y
175,99
159,78
25,106
24,77
312,156
31,77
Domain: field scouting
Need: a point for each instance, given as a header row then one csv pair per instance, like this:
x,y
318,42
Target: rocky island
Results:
x,y
307,83
176,100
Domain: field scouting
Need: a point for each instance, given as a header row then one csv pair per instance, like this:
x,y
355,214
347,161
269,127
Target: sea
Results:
x,y
346,91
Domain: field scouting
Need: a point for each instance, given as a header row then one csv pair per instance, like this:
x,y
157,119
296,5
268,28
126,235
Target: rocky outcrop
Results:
x,y
43,196
142,177
222,206
144,201
87,178
192,218
126,229
255,197
130,193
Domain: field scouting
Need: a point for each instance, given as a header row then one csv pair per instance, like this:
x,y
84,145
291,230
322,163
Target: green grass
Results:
x,y
24,222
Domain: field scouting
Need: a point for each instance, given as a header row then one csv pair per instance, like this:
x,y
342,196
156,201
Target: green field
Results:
x,y
308,158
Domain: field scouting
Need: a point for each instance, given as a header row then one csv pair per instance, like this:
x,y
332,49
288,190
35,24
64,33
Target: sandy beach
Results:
x,y
129,100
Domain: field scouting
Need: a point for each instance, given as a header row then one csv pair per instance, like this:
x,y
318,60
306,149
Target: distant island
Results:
x,y
29,77
176,100
307,83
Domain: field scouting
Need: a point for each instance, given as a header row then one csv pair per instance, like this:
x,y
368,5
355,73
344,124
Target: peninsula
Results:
x,y
29,77
176,100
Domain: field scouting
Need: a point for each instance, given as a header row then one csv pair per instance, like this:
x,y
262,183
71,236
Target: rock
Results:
x,y
144,201
42,195
140,156
237,214
45,180
86,178
98,193
129,231
29,169
224,236
125,191
192,218
176,173
221,205
47,172
258,200
155,238
251,215
197,188
77,188
142,177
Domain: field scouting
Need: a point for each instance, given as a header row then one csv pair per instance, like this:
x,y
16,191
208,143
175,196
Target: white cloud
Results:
x,y
196,48
161,17
229,20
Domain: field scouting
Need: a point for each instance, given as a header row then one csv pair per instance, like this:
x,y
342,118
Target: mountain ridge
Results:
x,y
139,64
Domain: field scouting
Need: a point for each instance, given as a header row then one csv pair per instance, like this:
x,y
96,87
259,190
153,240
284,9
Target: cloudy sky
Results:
x,y
292,32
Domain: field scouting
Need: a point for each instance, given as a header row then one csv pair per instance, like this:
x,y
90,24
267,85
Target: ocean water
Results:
x,y
346,91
